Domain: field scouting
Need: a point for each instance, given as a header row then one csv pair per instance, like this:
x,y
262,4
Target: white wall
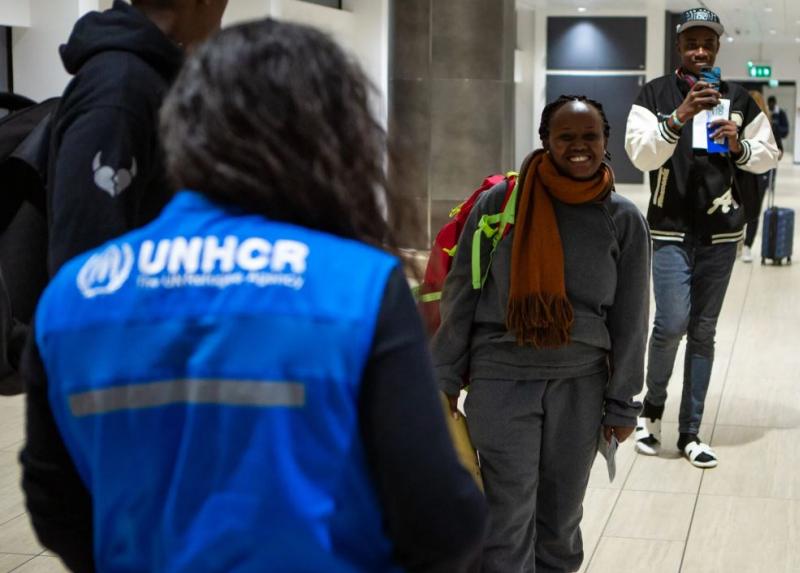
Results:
x,y
38,71
370,45
40,27
361,28
15,13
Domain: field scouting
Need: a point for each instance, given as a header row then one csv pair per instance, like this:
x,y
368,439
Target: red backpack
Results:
x,y
494,227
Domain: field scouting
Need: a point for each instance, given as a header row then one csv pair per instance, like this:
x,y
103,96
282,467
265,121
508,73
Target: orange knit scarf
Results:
x,y
539,313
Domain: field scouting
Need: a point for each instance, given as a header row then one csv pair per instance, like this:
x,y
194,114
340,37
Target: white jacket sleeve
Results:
x,y
759,149
648,141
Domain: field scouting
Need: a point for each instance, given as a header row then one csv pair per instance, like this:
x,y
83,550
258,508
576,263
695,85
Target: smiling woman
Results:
x,y
565,296
577,137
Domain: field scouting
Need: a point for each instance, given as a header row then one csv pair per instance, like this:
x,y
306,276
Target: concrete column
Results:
x,y
451,98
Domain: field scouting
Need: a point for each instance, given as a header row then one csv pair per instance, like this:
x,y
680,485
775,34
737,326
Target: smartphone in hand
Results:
x,y
711,76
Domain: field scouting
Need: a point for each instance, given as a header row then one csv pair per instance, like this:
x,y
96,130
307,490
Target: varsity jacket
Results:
x,y
694,193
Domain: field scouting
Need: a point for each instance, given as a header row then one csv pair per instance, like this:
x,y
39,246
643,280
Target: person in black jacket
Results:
x,y
759,185
780,123
106,175
695,218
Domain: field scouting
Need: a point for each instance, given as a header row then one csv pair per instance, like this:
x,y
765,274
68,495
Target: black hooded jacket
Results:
x,y
106,172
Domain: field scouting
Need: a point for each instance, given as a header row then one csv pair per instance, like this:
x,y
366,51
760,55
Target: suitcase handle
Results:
x,y
771,189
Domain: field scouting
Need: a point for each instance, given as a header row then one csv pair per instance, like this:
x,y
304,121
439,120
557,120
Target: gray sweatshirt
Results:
x,y
607,277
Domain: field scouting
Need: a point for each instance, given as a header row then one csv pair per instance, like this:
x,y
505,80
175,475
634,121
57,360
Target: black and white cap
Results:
x,y
700,17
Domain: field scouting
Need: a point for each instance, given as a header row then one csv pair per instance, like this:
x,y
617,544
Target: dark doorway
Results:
x,y
6,80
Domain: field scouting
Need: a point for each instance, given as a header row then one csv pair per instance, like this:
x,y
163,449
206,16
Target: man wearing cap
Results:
x,y
695,218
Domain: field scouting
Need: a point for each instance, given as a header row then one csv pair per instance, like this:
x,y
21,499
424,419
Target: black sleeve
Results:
x,y
783,121
434,512
59,504
100,175
7,370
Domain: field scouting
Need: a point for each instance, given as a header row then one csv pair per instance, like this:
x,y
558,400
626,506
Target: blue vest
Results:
x,y
204,372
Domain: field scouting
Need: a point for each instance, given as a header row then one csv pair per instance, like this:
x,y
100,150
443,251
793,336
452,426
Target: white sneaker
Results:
x,y
648,436
747,255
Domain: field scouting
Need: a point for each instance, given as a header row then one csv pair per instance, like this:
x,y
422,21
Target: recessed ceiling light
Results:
x,y
773,32
797,40
730,38
767,9
581,9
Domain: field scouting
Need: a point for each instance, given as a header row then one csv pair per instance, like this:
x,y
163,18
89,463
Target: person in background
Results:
x,y
244,383
695,220
553,344
106,173
779,120
762,183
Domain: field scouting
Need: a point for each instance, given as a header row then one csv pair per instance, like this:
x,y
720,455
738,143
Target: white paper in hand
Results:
x,y
703,118
609,451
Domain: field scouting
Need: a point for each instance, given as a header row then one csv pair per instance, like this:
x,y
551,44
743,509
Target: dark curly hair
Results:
x,y
552,107
274,118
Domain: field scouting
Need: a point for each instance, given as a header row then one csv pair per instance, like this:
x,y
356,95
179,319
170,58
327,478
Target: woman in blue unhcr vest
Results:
x,y
243,385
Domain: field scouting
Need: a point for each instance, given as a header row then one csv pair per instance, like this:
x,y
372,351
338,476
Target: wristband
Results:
x,y
675,121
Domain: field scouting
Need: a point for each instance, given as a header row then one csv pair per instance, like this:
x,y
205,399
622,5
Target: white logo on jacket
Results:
x,y
105,272
221,262
208,261
724,203
111,181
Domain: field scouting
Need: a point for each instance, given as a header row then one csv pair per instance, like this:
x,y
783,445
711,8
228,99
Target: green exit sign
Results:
x,y
759,71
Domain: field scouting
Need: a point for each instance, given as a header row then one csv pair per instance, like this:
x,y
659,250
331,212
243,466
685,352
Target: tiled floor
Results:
x,y
660,514
19,550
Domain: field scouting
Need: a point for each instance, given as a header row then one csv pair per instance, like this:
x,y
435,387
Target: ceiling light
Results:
x,y
773,32
581,9
767,9
730,39
797,40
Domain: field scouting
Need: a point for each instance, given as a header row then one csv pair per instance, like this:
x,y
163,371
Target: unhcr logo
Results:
x,y
221,262
105,272
209,261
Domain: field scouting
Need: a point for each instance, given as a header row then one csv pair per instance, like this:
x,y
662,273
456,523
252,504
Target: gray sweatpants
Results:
x,y
537,441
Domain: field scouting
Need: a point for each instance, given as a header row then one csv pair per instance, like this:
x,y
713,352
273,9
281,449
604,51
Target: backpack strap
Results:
x,y
494,227
509,213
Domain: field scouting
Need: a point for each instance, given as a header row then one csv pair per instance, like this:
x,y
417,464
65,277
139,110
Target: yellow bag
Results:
x,y
461,442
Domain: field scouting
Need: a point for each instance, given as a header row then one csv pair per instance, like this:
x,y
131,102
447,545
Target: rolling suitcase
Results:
x,y
777,232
